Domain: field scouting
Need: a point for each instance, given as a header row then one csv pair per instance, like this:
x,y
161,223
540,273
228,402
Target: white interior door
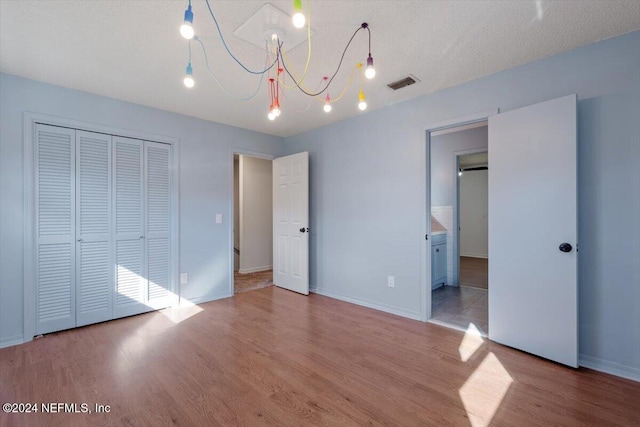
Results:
x,y
94,272
533,230
157,234
128,223
291,222
55,187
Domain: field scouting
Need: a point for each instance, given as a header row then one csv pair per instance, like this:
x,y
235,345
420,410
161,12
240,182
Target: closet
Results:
x,y
102,227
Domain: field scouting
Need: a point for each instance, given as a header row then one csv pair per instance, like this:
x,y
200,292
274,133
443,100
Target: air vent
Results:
x,y
407,81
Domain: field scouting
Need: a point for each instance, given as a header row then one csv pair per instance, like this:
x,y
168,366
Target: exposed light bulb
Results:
x,y
362,105
188,78
186,29
271,116
460,173
370,71
299,20
327,104
298,17
276,111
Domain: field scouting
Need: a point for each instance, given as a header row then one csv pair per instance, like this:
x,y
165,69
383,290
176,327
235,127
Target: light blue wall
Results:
x,y
367,181
205,183
443,175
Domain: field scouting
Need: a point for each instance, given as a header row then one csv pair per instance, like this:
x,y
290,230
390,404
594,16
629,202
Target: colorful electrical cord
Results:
x,y
276,67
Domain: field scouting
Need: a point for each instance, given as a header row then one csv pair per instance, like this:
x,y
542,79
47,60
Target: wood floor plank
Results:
x,y
474,272
271,357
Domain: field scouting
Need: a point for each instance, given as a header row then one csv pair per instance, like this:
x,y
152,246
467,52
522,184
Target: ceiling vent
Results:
x,y
407,81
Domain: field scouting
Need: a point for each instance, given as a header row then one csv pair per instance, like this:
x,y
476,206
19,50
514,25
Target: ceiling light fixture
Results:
x,y
188,78
269,25
186,29
298,18
362,105
327,104
370,71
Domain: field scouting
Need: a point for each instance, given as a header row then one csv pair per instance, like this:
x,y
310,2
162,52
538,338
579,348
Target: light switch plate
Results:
x,y
218,218
184,278
391,281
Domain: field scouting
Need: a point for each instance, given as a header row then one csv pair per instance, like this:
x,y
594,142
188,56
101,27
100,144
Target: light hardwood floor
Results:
x,y
273,357
474,272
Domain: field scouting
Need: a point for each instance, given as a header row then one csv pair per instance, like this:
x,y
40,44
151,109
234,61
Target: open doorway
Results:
x,y
459,231
252,223
473,220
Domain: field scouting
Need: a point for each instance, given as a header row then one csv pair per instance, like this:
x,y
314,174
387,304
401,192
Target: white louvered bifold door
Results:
x,y
157,224
55,228
94,266
128,219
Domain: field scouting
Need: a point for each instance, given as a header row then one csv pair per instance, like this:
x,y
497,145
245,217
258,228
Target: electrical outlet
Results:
x,y
391,281
184,278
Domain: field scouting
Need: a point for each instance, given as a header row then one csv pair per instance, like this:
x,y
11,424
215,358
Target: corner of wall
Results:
x,y
607,367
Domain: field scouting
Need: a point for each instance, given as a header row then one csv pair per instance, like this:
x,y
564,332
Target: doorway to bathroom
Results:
x,y
459,227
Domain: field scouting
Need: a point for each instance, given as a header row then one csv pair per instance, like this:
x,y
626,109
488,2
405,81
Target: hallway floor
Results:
x,y
461,305
251,281
474,272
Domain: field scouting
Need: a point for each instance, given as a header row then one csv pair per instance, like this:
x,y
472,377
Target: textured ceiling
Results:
x,y
131,50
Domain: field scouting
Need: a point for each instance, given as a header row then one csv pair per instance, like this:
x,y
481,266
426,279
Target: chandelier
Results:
x,y
277,69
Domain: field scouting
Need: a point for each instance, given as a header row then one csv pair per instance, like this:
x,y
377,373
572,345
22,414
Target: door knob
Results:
x,y
565,247
304,230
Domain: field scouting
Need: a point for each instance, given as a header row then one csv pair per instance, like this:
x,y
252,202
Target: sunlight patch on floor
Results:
x,y
185,310
484,391
470,343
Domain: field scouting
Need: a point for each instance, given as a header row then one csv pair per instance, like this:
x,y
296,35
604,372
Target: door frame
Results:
x,y
456,208
425,258
30,120
241,152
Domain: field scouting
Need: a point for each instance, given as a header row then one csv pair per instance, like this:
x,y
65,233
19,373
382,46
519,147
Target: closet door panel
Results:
x,y
128,222
94,268
158,206
55,228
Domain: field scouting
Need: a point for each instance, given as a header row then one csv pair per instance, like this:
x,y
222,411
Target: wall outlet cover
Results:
x,y
391,281
184,278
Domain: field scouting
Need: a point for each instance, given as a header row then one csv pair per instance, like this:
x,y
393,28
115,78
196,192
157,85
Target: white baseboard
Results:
x,y
200,300
11,341
376,306
607,367
475,256
255,270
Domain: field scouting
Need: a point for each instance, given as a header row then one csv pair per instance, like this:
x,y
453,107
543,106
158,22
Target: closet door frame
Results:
x,y
30,120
